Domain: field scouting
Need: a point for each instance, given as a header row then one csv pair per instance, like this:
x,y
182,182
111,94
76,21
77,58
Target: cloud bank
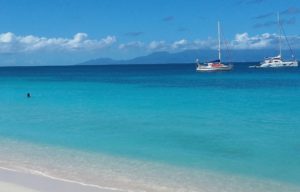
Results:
x,y
241,41
11,43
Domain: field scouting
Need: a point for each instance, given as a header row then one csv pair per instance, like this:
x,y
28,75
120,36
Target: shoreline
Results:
x,y
36,168
33,181
27,180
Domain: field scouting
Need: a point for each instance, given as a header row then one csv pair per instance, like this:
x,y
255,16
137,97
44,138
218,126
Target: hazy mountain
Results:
x,y
189,56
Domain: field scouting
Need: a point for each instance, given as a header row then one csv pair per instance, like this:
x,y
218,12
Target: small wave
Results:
x,y
39,173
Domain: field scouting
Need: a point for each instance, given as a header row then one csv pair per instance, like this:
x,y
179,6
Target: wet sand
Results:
x,y
14,181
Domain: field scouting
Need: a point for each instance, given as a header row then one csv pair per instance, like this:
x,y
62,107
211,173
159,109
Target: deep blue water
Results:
x,y
245,121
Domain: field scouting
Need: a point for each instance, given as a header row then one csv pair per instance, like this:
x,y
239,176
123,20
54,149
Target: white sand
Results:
x,y
10,187
13,181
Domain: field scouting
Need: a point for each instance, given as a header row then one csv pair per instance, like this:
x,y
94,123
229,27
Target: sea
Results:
x,y
155,128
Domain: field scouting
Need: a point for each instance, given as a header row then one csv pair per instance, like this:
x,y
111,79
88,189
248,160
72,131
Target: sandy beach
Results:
x,y
14,181
10,187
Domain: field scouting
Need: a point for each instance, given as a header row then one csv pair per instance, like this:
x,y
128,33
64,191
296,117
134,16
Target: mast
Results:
x,y
279,30
219,39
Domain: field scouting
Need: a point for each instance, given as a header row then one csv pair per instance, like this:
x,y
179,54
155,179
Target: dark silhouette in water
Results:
x,y
28,95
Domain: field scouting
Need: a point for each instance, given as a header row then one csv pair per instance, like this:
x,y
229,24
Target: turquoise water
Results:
x,y
245,122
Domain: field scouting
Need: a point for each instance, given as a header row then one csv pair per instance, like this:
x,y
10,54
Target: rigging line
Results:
x,y
288,43
226,43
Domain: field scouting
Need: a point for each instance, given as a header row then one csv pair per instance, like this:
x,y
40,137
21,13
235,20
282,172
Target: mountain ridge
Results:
x,y
189,56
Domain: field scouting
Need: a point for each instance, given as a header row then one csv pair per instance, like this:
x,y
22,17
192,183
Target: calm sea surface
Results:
x,y
243,123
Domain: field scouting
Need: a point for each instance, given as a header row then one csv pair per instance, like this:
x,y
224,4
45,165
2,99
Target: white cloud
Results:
x,y
180,44
7,37
11,43
157,45
244,41
204,44
133,44
241,41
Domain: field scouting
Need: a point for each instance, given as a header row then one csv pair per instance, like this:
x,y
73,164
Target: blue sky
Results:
x,y
52,32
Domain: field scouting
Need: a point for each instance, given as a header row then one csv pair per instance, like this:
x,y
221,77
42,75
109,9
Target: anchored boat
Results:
x,y
215,65
277,61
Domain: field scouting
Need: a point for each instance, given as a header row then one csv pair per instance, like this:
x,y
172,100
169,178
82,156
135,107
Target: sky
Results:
x,y
64,32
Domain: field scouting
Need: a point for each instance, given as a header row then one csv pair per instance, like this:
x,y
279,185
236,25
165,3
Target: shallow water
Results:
x,y
239,124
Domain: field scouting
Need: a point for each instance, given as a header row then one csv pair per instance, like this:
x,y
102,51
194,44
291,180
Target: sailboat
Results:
x,y
215,65
277,61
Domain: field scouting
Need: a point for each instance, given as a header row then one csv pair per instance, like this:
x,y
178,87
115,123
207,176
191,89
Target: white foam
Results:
x,y
39,173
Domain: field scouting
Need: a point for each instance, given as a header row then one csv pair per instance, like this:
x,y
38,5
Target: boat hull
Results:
x,y
277,65
204,68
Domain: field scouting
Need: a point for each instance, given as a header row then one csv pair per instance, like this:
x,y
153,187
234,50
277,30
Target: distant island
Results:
x,y
189,56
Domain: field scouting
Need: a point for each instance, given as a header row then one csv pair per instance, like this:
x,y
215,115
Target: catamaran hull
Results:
x,y
277,65
278,62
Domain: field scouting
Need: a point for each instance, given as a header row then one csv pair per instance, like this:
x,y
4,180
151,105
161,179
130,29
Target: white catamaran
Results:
x,y
216,65
277,61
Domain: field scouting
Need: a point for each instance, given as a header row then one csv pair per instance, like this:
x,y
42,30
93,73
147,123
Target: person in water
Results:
x,y
28,95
